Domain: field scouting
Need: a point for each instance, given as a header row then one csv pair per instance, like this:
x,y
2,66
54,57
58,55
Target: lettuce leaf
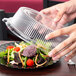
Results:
x,y
44,46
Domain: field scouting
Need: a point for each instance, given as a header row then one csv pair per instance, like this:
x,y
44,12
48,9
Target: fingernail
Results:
x,y
46,37
55,20
50,54
54,58
53,25
66,59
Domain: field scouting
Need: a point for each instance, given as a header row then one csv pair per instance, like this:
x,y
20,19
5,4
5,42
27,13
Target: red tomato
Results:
x,y
10,47
17,49
30,62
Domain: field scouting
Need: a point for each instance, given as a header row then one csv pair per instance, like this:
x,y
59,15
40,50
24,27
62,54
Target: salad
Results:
x,y
27,55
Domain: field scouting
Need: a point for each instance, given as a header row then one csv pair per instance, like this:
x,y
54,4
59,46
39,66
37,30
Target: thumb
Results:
x,y
59,32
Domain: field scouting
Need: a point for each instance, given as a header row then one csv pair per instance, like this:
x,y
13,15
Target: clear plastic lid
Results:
x,y
31,25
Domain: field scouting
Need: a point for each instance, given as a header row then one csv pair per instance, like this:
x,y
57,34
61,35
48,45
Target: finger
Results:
x,y
71,55
71,16
36,26
41,31
38,17
64,52
57,33
65,19
46,11
59,15
51,10
60,46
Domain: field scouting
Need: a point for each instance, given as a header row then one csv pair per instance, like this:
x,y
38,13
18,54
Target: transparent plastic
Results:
x,y
30,25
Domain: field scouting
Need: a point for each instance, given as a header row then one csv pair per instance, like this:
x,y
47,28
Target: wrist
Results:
x,y
73,2
71,6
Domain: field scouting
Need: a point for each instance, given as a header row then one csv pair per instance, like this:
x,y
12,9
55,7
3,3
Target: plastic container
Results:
x,y
30,25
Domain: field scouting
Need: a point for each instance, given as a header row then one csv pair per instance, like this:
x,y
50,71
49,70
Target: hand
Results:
x,y
61,13
69,43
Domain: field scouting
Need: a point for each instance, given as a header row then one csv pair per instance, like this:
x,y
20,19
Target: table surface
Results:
x,y
59,69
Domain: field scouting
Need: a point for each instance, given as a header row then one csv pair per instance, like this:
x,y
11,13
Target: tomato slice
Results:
x,y
10,47
30,62
17,49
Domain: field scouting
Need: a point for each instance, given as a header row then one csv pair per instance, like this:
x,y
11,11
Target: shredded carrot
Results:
x,y
39,45
46,56
21,59
38,65
8,57
36,59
